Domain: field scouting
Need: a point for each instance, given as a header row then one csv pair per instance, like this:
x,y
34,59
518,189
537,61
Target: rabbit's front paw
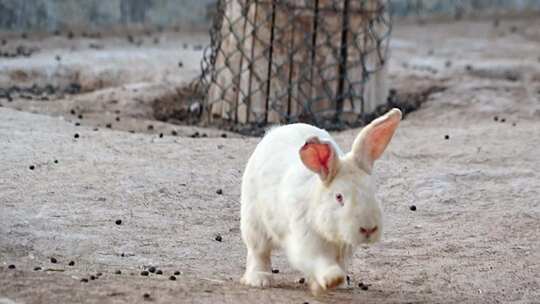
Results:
x,y
257,279
330,278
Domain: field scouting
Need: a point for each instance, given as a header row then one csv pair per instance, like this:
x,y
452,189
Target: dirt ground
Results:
x,y
474,238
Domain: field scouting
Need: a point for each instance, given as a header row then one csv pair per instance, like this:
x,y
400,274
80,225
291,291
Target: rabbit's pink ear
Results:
x,y
373,139
320,157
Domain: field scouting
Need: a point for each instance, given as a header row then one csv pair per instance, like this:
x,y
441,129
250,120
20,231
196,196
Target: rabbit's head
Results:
x,y
344,208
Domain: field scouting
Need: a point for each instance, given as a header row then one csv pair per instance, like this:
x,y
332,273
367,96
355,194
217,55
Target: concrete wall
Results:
x,y
461,7
50,15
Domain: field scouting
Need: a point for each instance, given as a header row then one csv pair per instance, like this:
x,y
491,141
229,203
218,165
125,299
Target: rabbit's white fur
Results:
x,y
286,204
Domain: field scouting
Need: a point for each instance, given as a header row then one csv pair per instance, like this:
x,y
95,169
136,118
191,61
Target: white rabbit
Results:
x,y
300,192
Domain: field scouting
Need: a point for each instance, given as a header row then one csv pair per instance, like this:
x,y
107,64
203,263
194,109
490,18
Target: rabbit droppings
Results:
x,y
300,192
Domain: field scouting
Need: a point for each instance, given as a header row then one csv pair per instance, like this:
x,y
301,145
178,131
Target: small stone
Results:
x,y
496,118
76,135
348,280
144,273
118,222
99,274
54,260
32,167
275,270
58,58
160,135
159,271
150,127
37,268
108,126
11,266
219,191
180,64
152,269
80,116
224,135
412,207
118,272
174,133
117,118
132,131
84,280
195,135
503,119
301,281
56,161
93,277
218,238
172,278
71,263
447,137
77,124
122,254
177,272
146,296
96,129
468,67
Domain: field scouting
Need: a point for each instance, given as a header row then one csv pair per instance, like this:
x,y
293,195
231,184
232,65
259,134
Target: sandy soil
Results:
x,y
121,82
474,238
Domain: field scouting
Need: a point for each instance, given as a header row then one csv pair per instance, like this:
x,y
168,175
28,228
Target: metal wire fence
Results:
x,y
284,61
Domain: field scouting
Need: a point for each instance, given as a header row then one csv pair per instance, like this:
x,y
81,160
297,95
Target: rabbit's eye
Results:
x,y
339,198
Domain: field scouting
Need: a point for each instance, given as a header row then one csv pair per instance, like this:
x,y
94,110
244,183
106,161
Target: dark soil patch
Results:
x,y
36,92
176,109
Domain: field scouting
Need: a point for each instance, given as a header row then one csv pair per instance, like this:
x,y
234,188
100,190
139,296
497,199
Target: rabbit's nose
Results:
x,y
368,231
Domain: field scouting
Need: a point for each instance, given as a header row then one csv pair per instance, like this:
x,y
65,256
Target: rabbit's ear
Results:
x,y
370,144
321,158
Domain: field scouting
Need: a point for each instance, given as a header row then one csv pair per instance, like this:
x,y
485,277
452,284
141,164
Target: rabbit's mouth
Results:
x,y
372,239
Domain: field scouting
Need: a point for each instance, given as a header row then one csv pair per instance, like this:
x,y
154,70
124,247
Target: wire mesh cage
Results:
x,y
283,61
